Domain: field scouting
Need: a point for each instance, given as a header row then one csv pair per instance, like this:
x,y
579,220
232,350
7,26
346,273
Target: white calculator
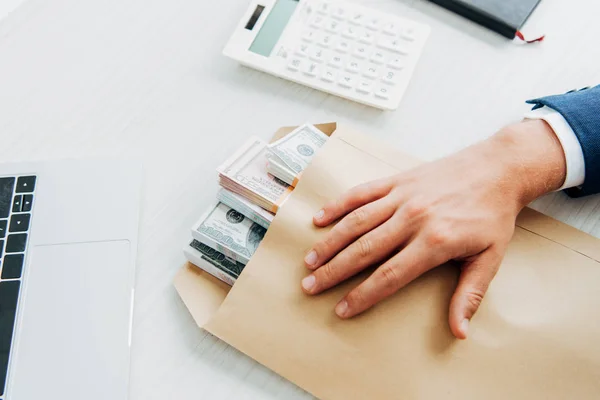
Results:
x,y
338,47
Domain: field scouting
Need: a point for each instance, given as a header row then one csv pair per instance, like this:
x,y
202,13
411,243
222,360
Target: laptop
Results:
x,y
68,240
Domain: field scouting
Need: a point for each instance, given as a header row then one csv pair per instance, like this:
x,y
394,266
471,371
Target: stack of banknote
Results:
x,y
287,157
256,181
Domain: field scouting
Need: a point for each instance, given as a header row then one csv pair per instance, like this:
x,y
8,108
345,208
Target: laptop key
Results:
x,y
3,223
1,247
16,243
17,203
19,223
25,184
27,203
9,295
13,266
6,192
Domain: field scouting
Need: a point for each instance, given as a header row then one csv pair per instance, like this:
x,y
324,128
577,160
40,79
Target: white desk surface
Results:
x,y
146,79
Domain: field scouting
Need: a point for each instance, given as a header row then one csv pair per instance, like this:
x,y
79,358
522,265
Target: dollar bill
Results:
x,y
281,171
245,173
296,149
243,205
229,231
214,262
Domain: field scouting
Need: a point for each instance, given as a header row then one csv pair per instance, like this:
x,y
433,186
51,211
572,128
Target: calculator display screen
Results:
x,y
273,27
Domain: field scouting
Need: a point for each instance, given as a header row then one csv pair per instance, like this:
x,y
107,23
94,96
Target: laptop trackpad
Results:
x,y
73,341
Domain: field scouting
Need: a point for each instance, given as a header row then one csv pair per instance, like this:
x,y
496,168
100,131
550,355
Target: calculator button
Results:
x,y
394,45
339,13
353,66
408,34
378,57
390,77
311,69
364,87
333,26
309,36
294,64
382,92
373,24
371,72
325,41
328,75
302,50
346,80
342,46
396,63
390,29
366,37
360,52
336,61
350,32
357,18
323,8
316,21
317,54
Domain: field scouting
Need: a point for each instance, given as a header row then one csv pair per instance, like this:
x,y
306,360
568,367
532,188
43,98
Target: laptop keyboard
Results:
x,y
16,202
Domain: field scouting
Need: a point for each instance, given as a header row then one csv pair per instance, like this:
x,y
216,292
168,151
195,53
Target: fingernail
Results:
x,y
319,214
464,326
341,308
308,283
311,258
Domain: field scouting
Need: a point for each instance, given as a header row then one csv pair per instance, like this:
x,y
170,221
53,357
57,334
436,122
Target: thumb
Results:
x,y
476,275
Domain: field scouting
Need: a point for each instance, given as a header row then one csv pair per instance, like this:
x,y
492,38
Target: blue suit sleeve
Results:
x,y
581,109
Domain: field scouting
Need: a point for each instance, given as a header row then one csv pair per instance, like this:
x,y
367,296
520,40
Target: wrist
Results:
x,y
532,157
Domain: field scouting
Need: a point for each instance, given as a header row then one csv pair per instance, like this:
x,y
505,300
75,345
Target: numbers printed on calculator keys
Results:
x,y
390,77
371,72
328,75
336,61
360,52
378,57
382,92
342,46
354,67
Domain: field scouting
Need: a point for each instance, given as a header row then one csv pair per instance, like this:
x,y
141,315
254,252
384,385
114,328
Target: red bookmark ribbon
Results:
x,y
539,39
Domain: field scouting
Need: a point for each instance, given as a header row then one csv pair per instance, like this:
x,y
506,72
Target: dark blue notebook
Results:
x,y
503,16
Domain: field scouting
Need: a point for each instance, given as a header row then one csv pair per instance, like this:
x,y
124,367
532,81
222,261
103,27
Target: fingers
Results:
x,y
369,249
472,285
350,228
397,272
351,200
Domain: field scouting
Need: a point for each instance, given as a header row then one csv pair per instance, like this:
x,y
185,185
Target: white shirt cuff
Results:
x,y
570,144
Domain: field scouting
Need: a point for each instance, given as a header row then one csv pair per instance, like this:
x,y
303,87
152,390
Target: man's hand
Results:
x,y
460,208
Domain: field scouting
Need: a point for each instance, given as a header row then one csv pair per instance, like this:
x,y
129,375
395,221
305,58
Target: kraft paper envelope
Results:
x,y
535,336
